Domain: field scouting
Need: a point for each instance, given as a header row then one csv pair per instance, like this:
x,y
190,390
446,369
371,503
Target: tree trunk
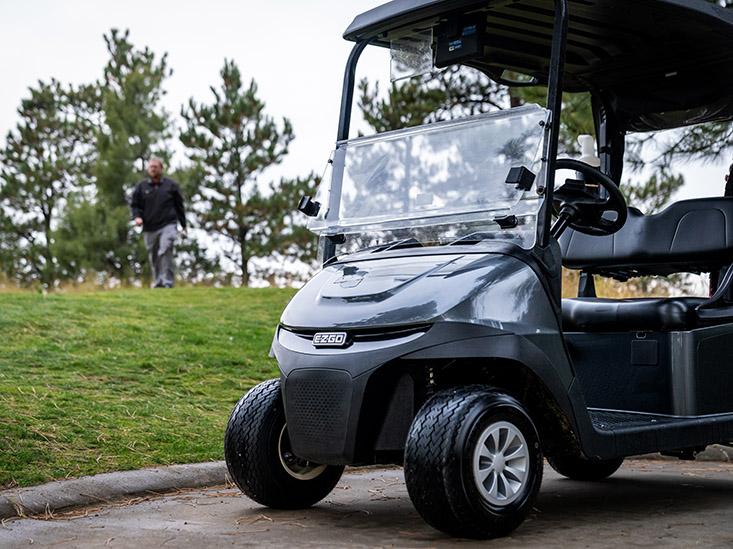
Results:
x,y
47,276
244,257
244,263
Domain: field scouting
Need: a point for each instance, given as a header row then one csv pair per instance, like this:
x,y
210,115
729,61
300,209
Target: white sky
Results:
x,y
293,48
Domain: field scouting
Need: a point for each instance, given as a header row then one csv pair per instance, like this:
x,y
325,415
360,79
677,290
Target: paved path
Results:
x,y
647,504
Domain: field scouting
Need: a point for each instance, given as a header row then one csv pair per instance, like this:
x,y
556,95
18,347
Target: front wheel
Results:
x,y
581,468
473,463
259,457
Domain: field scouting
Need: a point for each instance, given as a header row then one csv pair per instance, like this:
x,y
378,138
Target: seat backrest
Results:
x,y
688,236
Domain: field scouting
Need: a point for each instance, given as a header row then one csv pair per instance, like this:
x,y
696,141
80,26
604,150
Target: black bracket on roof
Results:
x,y
460,39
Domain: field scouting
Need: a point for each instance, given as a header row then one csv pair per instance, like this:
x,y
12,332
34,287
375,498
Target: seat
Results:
x,y
630,315
669,242
688,236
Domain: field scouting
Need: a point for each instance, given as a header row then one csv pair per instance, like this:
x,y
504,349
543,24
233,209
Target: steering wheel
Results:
x,y
576,205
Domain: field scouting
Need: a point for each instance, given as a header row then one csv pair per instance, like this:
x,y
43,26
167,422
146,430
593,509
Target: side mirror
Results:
x,y
309,207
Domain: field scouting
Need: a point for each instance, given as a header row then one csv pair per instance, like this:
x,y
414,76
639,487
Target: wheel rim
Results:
x,y
501,463
296,467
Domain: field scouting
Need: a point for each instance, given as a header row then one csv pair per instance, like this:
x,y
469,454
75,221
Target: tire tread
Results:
x,y
431,470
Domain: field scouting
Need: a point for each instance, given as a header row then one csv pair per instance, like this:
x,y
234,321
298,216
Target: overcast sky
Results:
x,y
293,48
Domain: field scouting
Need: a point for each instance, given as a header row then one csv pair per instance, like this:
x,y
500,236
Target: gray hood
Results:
x,y
412,290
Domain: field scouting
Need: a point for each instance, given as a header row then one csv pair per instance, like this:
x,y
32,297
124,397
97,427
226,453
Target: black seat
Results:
x,y
630,315
688,236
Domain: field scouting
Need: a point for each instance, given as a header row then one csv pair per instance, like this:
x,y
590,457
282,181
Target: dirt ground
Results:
x,y
646,504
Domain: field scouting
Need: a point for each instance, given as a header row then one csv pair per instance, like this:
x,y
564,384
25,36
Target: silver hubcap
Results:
x,y
501,463
302,469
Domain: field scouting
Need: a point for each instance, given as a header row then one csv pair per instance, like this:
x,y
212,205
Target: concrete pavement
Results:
x,y
646,504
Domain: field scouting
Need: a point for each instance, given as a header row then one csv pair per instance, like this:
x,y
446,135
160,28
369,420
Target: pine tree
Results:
x,y
46,158
135,125
232,141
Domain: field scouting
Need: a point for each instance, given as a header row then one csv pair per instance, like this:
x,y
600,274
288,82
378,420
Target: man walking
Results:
x,y
157,205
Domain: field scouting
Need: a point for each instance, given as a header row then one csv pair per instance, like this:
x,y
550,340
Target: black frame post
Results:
x,y
347,95
554,104
347,102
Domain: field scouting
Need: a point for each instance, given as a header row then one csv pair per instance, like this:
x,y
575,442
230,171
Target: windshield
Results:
x,y
435,183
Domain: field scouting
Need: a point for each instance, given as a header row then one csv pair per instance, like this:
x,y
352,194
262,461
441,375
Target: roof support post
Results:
x,y
347,102
554,104
347,95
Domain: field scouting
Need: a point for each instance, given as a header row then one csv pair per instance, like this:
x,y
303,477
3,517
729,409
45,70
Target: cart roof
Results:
x,y
658,63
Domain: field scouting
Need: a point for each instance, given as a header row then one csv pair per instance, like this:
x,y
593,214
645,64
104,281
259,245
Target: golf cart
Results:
x,y
435,335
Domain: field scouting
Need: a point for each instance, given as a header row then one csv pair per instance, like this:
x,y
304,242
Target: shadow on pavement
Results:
x,y
647,506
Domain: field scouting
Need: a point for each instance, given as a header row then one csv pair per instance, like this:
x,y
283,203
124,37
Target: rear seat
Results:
x,y
688,236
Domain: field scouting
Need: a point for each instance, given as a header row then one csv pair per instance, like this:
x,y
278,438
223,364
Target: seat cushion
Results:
x,y
629,315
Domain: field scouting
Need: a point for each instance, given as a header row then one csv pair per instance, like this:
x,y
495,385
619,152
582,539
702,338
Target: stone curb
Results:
x,y
108,487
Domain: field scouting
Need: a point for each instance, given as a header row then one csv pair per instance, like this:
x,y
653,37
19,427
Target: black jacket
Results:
x,y
158,204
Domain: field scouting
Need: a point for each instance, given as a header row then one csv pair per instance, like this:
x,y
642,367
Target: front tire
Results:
x,y
473,463
581,468
259,458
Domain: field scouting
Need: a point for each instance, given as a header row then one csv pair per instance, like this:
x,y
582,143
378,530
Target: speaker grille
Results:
x,y
317,406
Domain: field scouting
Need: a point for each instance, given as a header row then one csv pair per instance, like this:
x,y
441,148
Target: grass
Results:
x,y
103,381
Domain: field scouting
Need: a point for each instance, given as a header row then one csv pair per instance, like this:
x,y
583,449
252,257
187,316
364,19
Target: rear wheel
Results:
x,y
473,463
581,468
259,457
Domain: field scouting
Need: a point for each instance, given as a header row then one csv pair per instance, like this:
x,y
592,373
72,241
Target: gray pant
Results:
x,y
160,245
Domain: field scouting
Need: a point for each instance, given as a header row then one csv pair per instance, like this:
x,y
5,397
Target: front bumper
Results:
x,y
331,398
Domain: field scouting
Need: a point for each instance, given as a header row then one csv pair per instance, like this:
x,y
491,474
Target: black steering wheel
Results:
x,y
578,205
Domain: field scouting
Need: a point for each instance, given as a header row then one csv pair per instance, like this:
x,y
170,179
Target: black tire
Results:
x,y
581,468
255,435
439,462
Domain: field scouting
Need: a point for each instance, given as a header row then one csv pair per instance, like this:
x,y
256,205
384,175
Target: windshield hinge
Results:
x,y
521,177
507,221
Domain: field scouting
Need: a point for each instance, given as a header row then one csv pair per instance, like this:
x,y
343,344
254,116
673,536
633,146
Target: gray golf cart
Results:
x,y
435,335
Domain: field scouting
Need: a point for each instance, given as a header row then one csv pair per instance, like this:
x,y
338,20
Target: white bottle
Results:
x,y
588,151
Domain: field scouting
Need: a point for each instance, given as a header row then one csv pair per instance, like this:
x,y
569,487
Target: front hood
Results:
x,y
394,291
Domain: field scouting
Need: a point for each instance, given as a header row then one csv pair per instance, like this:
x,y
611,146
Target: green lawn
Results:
x,y
104,381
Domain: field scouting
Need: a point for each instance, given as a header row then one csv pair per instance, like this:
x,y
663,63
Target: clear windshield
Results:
x,y
436,182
